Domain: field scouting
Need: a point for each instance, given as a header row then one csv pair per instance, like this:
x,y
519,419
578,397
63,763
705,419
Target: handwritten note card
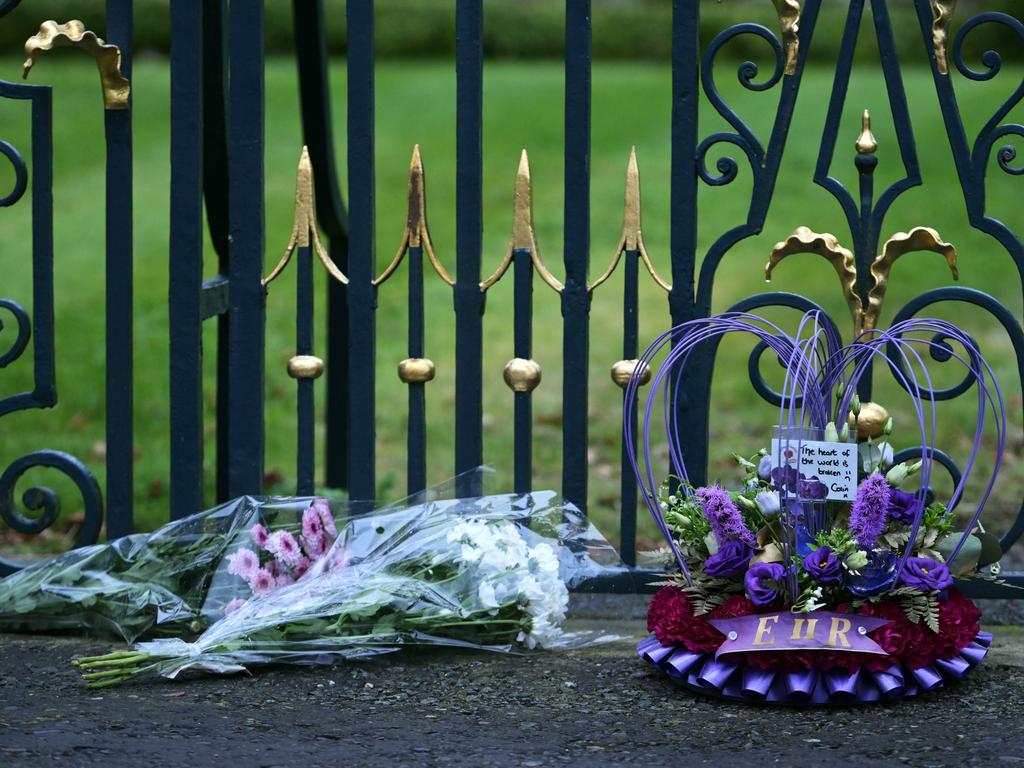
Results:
x,y
834,464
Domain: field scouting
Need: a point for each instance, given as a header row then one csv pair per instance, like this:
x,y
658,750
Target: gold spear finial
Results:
x,y
305,229
416,232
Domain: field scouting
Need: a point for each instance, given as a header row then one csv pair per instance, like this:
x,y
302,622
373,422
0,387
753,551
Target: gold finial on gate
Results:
x,y
116,88
917,239
305,230
866,142
623,371
942,18
632,237
523,235
416,232
803,240
789,25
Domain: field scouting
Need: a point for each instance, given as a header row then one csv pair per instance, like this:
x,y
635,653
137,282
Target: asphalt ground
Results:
x,y
596,706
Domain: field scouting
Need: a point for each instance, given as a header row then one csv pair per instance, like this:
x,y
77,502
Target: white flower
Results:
x,y
486,594
768,502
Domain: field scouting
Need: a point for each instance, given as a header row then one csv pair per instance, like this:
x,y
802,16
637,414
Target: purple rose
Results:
x,y
764,582
824,567
875,577
903,507
729,561
926,574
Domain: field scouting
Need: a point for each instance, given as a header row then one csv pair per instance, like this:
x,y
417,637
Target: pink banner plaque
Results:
x,y
786,631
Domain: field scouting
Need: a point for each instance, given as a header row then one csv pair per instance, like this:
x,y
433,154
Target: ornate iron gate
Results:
x,y
217,138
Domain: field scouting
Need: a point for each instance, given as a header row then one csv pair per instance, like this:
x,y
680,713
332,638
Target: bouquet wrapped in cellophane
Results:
x,y
491,572
828,575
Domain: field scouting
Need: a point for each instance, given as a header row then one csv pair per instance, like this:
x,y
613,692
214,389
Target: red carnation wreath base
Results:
x,y
916,660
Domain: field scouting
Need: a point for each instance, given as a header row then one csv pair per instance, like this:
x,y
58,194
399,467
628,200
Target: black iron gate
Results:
x,y
217,142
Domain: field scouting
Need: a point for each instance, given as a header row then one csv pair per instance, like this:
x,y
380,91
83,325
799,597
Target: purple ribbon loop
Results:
x,y
716,673
973,653
842,685
952,669
756,682
927,677
800,685
984,638
681,662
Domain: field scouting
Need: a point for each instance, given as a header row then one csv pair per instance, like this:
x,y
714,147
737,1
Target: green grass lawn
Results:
x,y
523,103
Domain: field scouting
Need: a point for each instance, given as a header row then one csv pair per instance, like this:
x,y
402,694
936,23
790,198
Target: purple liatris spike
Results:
x,y
870,507
726,521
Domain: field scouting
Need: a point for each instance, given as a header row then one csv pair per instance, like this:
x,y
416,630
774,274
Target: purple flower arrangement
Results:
x,y
792,537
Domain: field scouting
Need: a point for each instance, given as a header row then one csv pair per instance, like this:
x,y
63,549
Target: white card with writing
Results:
x,y
834,464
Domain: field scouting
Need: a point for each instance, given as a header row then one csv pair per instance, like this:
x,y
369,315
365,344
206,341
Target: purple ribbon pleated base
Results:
x,y
703,673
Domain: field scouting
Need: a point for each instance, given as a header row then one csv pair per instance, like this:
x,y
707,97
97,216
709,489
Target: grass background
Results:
x,y
523,108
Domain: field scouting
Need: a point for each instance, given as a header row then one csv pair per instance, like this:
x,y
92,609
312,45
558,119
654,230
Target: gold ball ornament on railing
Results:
x,y
871,421
305,367
522,375
416,370
623,370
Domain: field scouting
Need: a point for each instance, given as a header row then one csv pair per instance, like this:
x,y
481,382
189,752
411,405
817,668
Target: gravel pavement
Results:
x,y
593,707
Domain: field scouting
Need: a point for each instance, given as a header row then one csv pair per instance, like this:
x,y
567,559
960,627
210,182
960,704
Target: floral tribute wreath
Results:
x,y
819,581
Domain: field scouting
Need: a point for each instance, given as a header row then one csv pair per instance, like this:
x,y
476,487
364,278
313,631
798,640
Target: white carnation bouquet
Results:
x,y
492,572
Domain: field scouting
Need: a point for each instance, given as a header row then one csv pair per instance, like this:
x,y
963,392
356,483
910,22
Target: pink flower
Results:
x,y
259,536
234,605
262,580
243,562
313,539
336,560
301,568
323,508
284,547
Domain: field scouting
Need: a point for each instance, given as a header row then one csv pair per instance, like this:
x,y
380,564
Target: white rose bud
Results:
x,y
831,434
764,468
768,502
711,543
887,455
896,475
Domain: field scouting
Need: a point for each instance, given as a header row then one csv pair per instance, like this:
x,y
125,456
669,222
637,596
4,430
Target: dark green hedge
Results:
x,y
623,29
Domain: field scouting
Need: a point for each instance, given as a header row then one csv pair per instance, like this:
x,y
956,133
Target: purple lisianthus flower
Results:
x,y
875,577
926,574
903,507
764,468
726,521
729,561
823,566
870,509
763,582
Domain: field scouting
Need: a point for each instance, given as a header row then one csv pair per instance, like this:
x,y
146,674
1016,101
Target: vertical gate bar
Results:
x,y
215,195
630,333
416,476
247,298
576,296
185,273
314,98
469,299
362,294
304,298
683,223
119,394
523,344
